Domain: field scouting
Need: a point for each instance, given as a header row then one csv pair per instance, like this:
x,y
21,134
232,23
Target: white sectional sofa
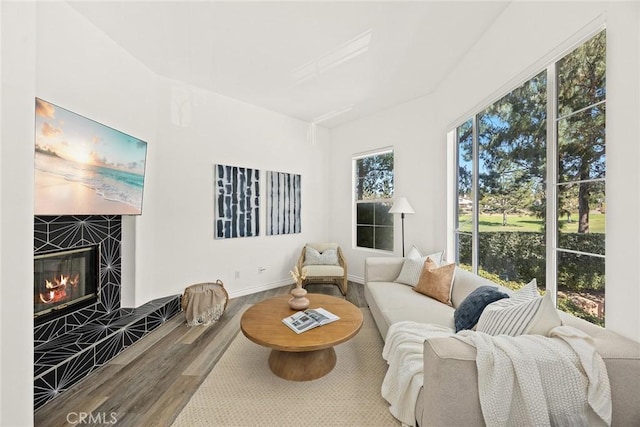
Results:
x,y
449,396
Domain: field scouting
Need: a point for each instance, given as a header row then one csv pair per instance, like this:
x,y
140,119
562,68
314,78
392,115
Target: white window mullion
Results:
x,y
475,240
354,205
551,187
453,208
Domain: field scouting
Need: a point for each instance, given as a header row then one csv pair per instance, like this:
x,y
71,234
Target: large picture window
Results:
x,y
530,173
373,194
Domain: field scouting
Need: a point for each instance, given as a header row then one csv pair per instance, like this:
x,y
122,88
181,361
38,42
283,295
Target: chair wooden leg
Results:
x,y
343,286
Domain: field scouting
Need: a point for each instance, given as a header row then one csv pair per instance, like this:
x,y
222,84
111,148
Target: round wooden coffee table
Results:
x,y
306,356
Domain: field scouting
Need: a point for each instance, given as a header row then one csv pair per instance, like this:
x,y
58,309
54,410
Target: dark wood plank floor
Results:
x,y
150,382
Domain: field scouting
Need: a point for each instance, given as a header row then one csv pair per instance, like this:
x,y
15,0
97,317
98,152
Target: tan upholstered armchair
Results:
x,y
323,263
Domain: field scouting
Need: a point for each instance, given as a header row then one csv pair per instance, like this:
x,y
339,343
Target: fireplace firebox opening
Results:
x,y
64,281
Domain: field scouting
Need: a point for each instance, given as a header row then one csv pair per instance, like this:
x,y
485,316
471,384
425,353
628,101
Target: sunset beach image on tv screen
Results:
x,y
83,167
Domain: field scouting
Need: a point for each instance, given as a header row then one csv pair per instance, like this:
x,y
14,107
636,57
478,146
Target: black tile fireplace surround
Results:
x,y
60,233
72,343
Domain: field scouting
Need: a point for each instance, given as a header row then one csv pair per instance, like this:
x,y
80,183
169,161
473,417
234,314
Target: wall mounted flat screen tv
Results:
x,y
83,167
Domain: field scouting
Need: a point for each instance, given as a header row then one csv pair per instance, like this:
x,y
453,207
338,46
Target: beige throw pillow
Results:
x,y
436,282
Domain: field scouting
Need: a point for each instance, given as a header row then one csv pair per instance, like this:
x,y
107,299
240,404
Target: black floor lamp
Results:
x,y
401,205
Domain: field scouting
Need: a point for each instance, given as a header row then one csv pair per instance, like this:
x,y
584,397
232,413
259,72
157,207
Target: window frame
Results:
x,y
356,201
552,178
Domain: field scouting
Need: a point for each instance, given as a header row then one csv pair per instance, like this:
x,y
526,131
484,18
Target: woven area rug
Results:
x,y
242,391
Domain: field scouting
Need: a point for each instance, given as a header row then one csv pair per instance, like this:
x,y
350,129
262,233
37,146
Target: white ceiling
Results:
x,y
329,62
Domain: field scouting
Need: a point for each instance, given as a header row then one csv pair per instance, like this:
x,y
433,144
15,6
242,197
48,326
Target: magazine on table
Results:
x,y
308,319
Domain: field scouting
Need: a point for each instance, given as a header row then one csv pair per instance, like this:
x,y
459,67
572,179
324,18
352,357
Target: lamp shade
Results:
x,y
401,205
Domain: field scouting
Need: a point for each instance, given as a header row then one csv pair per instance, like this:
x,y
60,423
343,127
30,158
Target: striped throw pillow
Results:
x,y
527,292
524,313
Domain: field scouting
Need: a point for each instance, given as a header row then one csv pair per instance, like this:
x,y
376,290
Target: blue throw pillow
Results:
x,y
468,313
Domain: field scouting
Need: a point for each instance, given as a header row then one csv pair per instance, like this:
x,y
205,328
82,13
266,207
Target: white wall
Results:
x,y
16,219
176,245
513,47
420,175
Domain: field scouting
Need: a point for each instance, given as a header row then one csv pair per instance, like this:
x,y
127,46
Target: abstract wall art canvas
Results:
x,y
237,199
83,167
283,203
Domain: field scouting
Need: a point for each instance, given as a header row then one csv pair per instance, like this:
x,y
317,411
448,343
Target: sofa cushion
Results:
x,y
412,267
382,269
391,295
397,302
521,314
322,271
431,311
467,314
435,282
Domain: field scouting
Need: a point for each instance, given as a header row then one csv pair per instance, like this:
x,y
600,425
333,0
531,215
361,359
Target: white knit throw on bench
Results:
x,y
558,376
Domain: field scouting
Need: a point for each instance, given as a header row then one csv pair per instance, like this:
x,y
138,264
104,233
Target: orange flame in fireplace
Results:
x,y
56,290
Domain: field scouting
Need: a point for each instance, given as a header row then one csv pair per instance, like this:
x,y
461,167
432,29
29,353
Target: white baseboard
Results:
x,y
277,284
356,279
259,288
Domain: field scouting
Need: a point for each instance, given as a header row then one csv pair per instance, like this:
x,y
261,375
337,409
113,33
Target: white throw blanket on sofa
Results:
x,y
535,380
509,368
403,350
